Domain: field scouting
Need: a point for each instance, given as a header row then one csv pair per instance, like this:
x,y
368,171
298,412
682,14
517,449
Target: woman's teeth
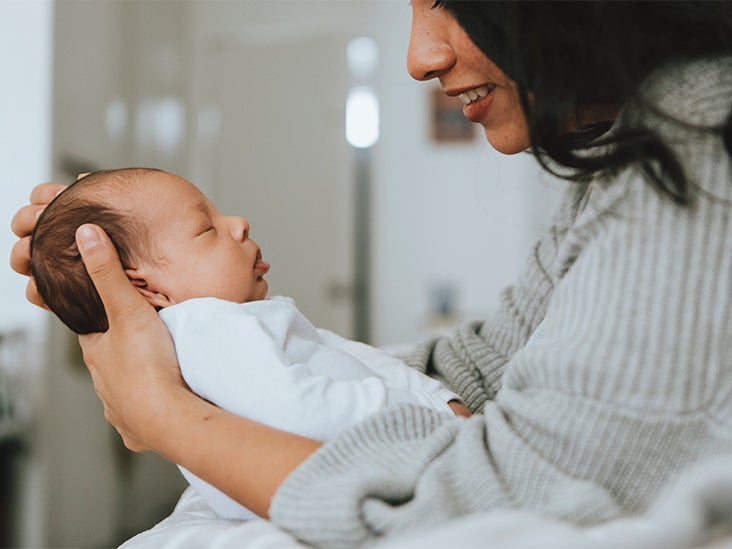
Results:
x,y
473,95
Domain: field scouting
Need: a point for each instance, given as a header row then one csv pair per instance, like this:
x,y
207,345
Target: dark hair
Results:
x,y
56,265
570,54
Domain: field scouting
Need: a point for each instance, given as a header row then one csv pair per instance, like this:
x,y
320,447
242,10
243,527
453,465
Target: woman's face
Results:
x,y
440,48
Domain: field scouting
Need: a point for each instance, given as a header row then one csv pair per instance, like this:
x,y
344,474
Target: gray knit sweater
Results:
x,y
606,373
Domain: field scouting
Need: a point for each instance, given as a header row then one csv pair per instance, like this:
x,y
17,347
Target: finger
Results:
x,y
25,219
101,260
132,445
87,343
32,295
20,256
82,175
20,263
45,192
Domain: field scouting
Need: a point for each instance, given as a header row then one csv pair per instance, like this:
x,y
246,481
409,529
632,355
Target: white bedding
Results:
x,y
696,512
193,524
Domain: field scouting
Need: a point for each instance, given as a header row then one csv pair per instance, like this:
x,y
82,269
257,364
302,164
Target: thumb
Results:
x,y
101,260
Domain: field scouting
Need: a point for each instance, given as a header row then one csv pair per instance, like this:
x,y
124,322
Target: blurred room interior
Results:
x,y
362,187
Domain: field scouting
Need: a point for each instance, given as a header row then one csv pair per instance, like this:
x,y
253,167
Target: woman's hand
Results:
x,y
23,223
133,365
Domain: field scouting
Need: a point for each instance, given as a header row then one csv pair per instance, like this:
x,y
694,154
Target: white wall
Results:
x,y
25,136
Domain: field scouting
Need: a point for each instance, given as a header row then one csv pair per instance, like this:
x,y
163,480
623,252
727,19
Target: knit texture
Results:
x,y
607,372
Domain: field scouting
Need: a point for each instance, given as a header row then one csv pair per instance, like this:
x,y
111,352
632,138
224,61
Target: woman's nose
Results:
x,y
429,54
239,228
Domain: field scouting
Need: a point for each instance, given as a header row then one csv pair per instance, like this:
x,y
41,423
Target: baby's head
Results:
x,y
172,242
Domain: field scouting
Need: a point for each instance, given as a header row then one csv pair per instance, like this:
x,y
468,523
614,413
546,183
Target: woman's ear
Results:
x,y
156,299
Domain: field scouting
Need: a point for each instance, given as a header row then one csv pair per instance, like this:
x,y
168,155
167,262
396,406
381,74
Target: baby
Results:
x,y
254,356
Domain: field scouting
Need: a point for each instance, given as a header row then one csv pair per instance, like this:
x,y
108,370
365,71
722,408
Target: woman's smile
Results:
x,y
476,93
477,102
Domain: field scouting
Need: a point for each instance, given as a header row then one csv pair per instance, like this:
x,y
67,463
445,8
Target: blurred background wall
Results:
x,y
419,228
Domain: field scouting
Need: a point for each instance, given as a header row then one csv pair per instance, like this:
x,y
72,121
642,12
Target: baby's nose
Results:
x,y
240,228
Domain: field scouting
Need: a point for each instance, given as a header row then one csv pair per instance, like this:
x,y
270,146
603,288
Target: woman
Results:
x,y
605,374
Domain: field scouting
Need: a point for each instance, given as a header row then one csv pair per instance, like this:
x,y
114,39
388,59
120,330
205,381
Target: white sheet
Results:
x,y
695,512
194,524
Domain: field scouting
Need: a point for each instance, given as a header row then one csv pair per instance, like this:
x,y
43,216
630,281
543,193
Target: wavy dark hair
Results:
x,y
570,54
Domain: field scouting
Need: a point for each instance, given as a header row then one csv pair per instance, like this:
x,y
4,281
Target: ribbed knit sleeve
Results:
x,y
606,374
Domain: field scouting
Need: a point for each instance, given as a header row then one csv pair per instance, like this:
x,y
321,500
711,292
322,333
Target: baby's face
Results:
x,y
198,251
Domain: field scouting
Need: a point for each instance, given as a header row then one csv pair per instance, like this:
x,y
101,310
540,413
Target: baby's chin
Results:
x,y
259,294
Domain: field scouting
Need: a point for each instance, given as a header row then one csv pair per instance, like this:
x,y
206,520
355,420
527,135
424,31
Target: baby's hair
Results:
x,y
56,264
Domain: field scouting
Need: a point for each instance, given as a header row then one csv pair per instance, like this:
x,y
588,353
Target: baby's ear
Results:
x,y
156,299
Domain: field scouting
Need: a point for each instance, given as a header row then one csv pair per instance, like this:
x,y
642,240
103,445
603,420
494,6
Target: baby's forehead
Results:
x,y
171,187
159,189
162,201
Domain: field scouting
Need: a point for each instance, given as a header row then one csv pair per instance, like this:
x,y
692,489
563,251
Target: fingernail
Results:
x,y
87,237
39,212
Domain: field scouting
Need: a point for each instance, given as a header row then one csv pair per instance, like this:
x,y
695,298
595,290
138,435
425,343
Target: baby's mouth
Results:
x,y
260,264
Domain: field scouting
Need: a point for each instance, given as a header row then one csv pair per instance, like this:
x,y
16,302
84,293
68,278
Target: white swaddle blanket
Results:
x,y
265,361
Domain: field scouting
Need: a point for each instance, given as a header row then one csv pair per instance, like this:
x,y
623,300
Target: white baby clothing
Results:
x,y
264,360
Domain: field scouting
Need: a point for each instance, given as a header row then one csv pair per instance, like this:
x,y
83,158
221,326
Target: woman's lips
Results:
x,y
477,102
